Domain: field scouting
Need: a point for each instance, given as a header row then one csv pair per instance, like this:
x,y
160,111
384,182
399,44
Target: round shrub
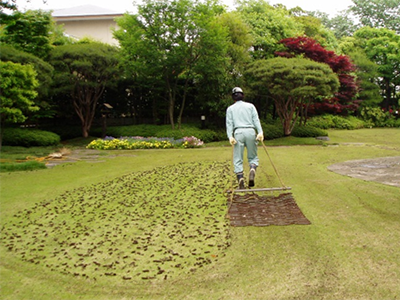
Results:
x,y
29,137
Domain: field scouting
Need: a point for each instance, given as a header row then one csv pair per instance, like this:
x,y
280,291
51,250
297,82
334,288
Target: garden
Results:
x,y
152,224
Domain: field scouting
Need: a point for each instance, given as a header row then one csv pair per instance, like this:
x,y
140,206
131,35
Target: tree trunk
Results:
x,y
286,109
2,129
286,127
388,94
85,107
171,112
85,131
171,103
183,104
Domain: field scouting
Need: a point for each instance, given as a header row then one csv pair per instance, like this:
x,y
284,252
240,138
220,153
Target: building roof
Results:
x,y
84,10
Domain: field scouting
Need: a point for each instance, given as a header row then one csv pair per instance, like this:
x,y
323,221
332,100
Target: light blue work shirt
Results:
x,y
242,115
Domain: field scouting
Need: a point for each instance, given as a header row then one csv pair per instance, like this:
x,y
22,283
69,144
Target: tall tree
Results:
x,y
378,13
268,26
30,32
366,71
168,42
293,83
212,93
342,25
367,75
17,86
382,46
314,27
83,71
343,100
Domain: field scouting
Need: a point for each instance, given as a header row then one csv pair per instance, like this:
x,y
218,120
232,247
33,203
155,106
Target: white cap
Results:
x,y
237,90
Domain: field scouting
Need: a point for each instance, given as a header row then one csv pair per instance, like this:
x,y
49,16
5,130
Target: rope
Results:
x,y
253,196
233,178
276,171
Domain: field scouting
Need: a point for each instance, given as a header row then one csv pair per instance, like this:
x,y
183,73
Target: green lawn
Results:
x,y
350,251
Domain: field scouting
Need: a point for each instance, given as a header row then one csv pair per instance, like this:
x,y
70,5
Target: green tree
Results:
x,y
268,26
170,44
17,92
44,73
239,41
6,5
367,74
382,46
83,71
378,13
366,70
212,90
342,25
293,83
314,28
29,32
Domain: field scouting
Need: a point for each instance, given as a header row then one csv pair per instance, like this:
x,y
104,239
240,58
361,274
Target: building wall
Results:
x,y
101,30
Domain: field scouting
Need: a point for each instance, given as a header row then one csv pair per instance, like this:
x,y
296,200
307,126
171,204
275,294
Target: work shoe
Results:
x,y
252,175
241,184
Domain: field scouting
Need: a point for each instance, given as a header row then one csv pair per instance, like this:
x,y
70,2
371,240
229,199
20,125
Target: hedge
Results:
x,y
27,137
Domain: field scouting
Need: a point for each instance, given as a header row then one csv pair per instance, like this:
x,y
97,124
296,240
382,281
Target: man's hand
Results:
x,y
260,137
232,141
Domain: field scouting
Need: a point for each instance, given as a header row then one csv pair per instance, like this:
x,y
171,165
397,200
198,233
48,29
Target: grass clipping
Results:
x,y
152,225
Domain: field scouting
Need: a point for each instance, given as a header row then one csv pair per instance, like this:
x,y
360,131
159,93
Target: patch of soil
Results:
x,y
385,170
256,210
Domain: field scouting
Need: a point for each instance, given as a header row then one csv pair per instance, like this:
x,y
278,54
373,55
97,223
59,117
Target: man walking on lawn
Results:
x,y
242,122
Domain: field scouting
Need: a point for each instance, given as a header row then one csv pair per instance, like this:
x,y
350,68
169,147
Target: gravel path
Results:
x,y
384,170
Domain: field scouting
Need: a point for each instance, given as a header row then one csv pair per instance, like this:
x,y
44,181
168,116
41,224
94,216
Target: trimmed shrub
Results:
x,y
323,122
337,122
308,131
65,132
22,166
205,135
272,131
144,130
29,137
164,131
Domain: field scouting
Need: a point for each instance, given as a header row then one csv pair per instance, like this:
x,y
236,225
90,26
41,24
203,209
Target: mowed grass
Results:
x,y
350,251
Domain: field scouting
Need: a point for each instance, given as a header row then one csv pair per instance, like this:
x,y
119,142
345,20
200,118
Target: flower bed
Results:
x,y
137,142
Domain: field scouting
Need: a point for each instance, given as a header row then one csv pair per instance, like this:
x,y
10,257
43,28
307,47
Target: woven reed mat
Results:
x,y
256,210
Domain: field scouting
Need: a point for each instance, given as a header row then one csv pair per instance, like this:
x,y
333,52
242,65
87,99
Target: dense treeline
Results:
x,y
178,61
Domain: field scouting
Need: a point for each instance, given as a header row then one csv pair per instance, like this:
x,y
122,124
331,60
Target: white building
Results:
x,y
88,21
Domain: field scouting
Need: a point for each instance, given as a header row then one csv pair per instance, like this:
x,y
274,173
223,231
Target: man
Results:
x,y
242,122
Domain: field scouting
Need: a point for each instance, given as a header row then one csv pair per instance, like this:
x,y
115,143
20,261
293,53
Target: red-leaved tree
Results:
x,y
344,100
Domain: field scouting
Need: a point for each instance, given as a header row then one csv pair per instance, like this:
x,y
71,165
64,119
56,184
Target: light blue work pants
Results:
x,y
246,138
